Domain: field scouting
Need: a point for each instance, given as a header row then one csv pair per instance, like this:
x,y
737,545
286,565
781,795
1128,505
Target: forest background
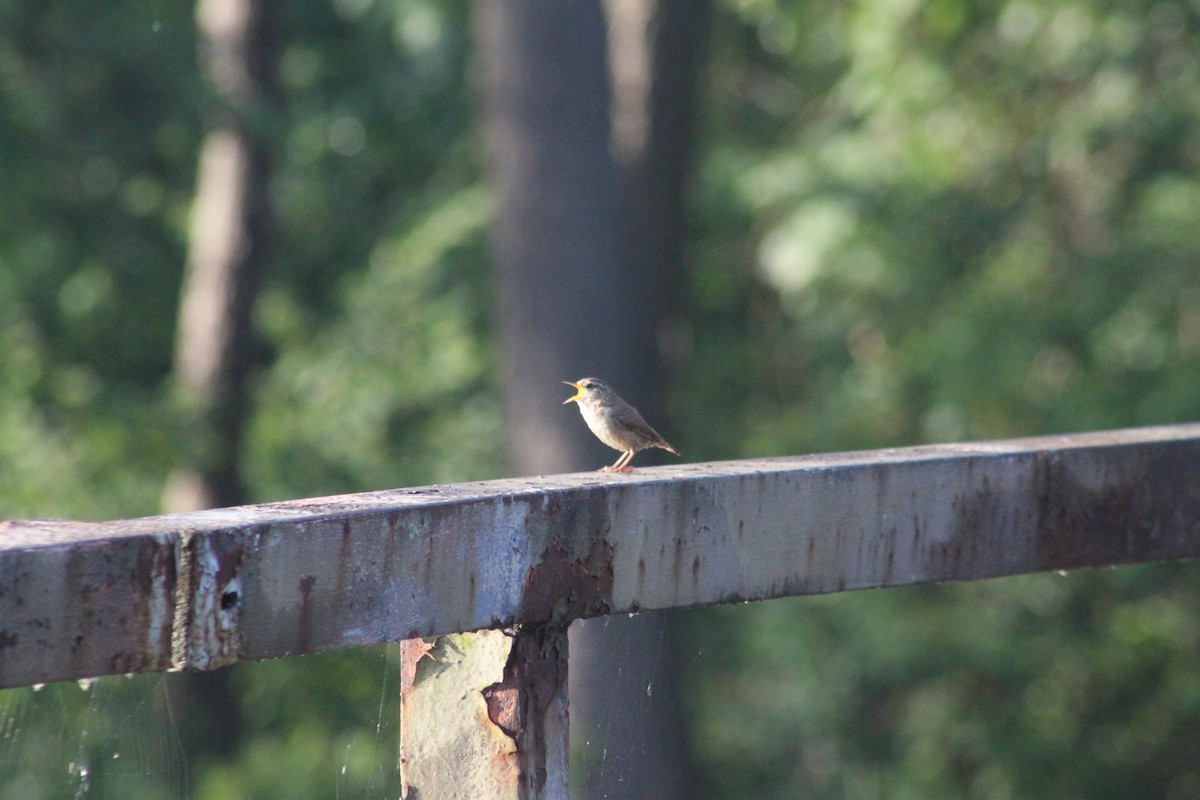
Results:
x,y
902,222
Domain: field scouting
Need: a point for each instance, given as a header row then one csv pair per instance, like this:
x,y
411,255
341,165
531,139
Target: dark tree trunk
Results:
x,y
226,254
655,55
582,278
226,257
566,306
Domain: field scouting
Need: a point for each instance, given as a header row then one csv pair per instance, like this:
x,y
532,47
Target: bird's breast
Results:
x,y
600,424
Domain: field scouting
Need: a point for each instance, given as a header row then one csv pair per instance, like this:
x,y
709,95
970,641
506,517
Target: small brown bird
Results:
x,y
615,422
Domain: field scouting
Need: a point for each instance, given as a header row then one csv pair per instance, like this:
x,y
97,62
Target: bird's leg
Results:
x,y
616,467
620,465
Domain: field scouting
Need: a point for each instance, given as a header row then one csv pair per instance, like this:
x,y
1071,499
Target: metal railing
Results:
x,y
517,560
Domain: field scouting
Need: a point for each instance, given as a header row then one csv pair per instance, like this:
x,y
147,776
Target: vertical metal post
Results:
x,y
484,716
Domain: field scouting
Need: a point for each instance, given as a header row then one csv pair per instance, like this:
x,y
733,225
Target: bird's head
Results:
x,y
588,389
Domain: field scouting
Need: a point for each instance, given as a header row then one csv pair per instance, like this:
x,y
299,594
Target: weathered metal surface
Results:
x,y
484,716
79,599
204,589
530,704
448,749
208,600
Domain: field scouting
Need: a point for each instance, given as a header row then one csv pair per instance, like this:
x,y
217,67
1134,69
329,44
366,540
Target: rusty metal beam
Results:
x,y
211,588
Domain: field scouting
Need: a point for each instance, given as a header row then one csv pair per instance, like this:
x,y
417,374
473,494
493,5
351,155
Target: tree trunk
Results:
x,y
566,304
657,53
582,290
226,256
655,48
213,347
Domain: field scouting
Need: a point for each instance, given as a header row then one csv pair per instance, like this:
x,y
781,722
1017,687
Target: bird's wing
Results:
x,y
630,421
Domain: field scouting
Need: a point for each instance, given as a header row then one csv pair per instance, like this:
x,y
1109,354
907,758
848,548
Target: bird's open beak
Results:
x,y
578,392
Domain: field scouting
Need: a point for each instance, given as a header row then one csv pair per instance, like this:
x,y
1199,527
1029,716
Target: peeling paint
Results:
x,y
208,601
530,706
448,746
160,603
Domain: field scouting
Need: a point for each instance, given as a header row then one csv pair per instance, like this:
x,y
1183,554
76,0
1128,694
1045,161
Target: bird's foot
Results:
x,y
616,469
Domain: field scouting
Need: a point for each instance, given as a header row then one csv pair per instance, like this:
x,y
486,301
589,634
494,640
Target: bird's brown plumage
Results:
x,y
615,422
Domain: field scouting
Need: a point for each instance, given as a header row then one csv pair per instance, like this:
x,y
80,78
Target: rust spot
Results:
x,y
121,663
503,709
154,605
677,564
412,650
1137,509
532,690
562,588
429,559
1105,506
890,565
229,551
306,613
345,558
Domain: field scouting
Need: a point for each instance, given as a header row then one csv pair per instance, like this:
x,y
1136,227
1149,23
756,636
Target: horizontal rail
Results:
x,y
80,599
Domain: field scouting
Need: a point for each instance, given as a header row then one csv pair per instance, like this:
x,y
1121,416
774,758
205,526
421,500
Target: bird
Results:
x,y
615,422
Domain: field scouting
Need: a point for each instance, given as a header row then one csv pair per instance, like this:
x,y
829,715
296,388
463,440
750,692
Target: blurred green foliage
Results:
x,y
1043,686
911,222
933,222
965,220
